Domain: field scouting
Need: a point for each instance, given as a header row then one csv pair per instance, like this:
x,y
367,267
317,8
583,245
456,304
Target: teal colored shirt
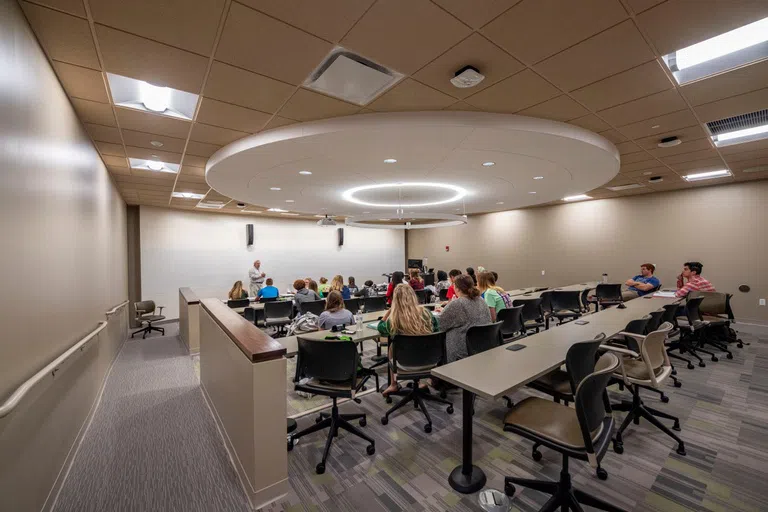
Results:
x,y
494,300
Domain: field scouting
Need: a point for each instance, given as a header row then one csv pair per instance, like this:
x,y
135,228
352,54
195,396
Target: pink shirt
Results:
x,y
695,283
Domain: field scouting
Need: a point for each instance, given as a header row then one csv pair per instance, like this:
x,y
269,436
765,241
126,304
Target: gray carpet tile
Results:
x,y
153,444
723,410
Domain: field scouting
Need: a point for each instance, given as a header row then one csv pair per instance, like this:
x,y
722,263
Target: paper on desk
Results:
x,y
665,293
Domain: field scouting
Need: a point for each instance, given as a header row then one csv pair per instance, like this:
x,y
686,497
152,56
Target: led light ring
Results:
x,y
362,221
349,194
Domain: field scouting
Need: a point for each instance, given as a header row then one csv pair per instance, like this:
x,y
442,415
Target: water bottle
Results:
x,y
605,278
359,320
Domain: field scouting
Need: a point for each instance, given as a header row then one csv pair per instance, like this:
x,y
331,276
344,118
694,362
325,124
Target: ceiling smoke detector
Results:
x,y
655,179
668,142
326,221
467,77
241,205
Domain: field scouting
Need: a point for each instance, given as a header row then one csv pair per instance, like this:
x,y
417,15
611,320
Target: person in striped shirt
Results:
x,y
692,274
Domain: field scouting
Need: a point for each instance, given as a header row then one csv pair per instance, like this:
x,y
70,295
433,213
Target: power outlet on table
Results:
x,y
762,302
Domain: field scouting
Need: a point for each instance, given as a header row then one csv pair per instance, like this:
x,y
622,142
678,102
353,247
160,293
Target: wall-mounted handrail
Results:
x,y
50,369
114,309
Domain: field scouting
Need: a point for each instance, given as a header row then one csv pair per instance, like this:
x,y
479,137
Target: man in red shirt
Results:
x,y
692,274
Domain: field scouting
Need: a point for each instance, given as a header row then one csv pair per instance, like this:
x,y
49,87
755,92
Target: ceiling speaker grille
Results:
x,y
741,122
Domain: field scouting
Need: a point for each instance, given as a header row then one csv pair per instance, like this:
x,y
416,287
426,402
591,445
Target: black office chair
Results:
x,y
264,300
277,314
312,306
582,433
429,279
145,314
607,295
713,310
566,305
695,330
636,326
670,315
545,306
422,296
485,337
374,304
353,305
238,303
443,295
413,357
655,321
331,368
584,299
511,323
532,315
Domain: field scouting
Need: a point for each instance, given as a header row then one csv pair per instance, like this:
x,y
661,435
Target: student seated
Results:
x,y
406,317
323,286
641,284
495,297
369,290
303,294
334,313
269,291
416,282
452,275
442,282
353,289
237,292
466,310
692,274
312,285
338,285
397,278
471,273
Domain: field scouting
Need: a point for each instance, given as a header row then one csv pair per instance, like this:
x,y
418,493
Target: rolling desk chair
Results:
x,y
545,306
413,357
608,295
693,331
238,303
565,305
532,315
582,433
312,306
371,304
485,337
648,366
421,295
277,314
584,299
353,305
670,315
512,323
714,309
443,295
331,368
264,300
145,313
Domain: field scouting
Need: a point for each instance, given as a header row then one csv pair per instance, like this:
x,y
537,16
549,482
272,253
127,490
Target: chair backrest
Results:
x,y
584,296
655,321
580,359
312,306
565,300
268,299
327,360
375,303
608,292
511,320
590,399
692,309
546,301
426,350
429,279
144,307
483,337
728,310
652,347
238,303
422,296
353,305
531,308
443,294
278,309
670,313
638,325
714,303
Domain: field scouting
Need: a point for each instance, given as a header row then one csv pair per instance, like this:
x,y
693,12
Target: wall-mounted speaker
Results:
x,y
341,236
249,234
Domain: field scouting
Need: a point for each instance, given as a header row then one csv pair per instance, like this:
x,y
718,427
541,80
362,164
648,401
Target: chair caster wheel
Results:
x,y
618,447
449,410
320,469
729,355
678,384
370,450
362,422
290,446
676,427
389,400
384,420
740,345
509,490
428,428
680,450
702,364
714,359
690,366
664,399
602,474
536,455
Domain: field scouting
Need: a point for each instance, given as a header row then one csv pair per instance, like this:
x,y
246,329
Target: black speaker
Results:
x,y
249,234
341,236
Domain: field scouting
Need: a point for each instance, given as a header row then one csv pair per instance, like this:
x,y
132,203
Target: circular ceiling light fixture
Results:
x,y
538,177
274,188
154,165
489,164
305,173
442,220
390,161
156,143
349,195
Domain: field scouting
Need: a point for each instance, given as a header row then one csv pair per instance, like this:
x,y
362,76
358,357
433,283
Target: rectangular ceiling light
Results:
x,y
579,197
727,51
739,129
625,187
707,175
279,210
153,165
211,205
140,95
188,195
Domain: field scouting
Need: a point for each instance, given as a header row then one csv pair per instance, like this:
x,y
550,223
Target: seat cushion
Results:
x,y
544,418
715,320
277,321
316,385
557,381
405,372
636,369
153,318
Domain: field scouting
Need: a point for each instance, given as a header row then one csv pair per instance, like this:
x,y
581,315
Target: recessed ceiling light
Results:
x,y
669,142
366,212
625,187
538,177
156,143
739,134
286,213
140,95
655,126
459,193
647,173
500,202
305,173
154,165
384,220
707,175
188,195
275,188
290,201
155,98
489,164
579,197
154,156
276,210
759,168
531,192
390,161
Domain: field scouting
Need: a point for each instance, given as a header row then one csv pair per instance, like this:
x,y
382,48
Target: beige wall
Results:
x,y
724,227
62,264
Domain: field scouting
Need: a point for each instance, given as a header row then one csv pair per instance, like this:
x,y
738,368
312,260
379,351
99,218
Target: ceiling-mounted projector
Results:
x,y
326,221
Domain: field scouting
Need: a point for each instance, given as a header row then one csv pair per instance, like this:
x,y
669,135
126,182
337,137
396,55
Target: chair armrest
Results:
x,y
161,309
631,335
620,350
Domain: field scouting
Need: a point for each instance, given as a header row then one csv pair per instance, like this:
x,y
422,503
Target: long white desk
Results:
x,y
291,343
499,371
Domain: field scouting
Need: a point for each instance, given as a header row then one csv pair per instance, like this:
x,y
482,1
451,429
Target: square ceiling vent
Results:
x,y
351,77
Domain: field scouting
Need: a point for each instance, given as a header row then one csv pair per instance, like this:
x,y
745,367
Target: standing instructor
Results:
x,y
256,276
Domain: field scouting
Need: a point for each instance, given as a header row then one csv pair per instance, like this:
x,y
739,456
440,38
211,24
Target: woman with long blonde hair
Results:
x,y
337,284
237,292
406,317
495,296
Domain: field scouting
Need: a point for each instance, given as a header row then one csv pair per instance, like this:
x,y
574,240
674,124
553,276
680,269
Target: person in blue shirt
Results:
x,y
269,291
642,283
338,284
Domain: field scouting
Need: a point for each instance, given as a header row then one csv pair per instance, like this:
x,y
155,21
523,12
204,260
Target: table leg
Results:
x,y
467,478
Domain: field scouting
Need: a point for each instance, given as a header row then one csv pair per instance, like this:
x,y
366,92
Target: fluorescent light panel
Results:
x,y
707,175
152,165
741,134
625,187
210,205
188,195
579,197
140,95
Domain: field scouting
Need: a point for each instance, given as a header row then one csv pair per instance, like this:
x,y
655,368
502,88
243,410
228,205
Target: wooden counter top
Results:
x,y
189,295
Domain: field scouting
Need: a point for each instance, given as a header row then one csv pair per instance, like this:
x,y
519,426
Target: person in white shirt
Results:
x,y
256,276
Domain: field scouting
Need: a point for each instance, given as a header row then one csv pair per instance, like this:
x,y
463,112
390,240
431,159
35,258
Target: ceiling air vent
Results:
x,y
739,129
351,77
